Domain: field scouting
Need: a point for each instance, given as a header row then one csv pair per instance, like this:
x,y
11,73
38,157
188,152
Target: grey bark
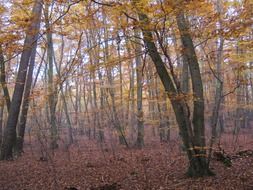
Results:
x,y
26,101
3,80
65,105
1,121
10,130
51,87
192,135
198,164
219,86
138,61
115,117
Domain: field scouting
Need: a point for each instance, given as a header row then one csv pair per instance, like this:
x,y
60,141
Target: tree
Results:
x,y
3,80
26,100
9,139
51,87
140,127
219,84
191,131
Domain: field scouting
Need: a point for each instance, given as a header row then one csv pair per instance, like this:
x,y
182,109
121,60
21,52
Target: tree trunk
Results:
x,y
120,77
131,97
185,76
101,130
10,130
1,121
69,126
3,80
140,127
151,96
115,117
65,105
198,164
193,139
51,87
219,87
25,103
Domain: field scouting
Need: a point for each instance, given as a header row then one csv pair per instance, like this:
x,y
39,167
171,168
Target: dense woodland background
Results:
x,y
131,94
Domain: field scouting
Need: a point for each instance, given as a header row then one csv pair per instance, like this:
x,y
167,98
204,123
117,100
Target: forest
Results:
x,y
126,94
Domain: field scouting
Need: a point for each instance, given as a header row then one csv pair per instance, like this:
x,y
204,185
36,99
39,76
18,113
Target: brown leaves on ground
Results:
x,y
87,165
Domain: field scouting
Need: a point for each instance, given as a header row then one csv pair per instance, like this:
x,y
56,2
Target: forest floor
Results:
x,y
90,165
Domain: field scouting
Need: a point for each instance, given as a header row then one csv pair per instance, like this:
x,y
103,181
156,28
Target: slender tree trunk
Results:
x,y
95,111
115,115
1,121
183,65
10,130
65,105
166,118
120,77
26,101
51,87
90,100
192,134
101,130
85,100
140,127
69,126
251,83
132,99
162,126
240,117
219,86
151,104
251,92
98,114
3,80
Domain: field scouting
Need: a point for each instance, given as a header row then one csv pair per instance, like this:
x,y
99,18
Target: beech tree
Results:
x,y
192,131
52,101
3,79
118,70
140,127
25,102
9,138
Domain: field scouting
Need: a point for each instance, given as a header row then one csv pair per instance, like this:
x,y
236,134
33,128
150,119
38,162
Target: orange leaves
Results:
x,y
2,9
8,38
21,14
10,43
200,7
182,96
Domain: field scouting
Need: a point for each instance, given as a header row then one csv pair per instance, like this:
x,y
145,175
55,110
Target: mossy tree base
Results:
x,y
199,168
